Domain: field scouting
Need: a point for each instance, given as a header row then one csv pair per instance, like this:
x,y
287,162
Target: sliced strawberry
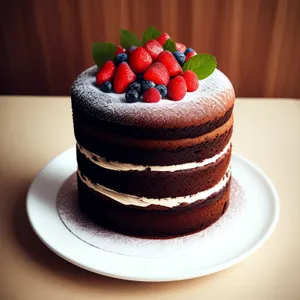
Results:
x,y
120,50
140,60
106,73
191,80
190,54
123,78
180,47
154,48
163,38
170,62
157,73
177,88
152,95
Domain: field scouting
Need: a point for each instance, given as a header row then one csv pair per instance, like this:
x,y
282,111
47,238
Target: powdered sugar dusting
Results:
x,y
214,97
99,237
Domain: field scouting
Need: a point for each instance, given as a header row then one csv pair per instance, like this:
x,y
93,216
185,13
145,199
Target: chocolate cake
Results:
x,y
153,169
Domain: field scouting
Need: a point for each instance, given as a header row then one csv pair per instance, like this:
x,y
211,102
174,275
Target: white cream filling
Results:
x,y
170,202
117,166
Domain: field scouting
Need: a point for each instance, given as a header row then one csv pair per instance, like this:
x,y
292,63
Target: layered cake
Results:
x,y
154,150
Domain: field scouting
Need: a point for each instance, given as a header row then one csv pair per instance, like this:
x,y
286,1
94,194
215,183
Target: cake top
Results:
x,y
153,83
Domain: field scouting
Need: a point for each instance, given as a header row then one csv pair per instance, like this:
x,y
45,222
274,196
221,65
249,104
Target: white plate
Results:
x,y
243,235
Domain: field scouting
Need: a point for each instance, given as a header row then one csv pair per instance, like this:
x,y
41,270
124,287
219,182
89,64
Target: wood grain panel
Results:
x,y
44,44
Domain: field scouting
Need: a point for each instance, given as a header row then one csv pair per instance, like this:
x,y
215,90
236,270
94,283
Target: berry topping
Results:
x,y
162,90
180,57
139,77
132,96
180,47
171,64
157,73
140,60
120,58
147,84
188,50
154,48
106,73
123,78
120,50
191,80
177,88
163,38
136,86
189,55
106,87
152,95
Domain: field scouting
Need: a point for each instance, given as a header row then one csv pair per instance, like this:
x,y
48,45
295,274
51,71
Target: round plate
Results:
x,y
256,225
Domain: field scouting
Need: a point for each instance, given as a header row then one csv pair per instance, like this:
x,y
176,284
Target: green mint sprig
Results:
x,y
202,64
128,39
103,52
169,45
151,33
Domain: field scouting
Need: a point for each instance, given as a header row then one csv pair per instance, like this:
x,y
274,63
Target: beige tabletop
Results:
x,y
35,129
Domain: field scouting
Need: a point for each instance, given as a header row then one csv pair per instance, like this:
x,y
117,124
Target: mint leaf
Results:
x,y
169,45
151,33
103,52
128,39
202,64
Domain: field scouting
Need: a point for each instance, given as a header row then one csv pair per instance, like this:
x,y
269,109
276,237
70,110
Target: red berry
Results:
x,y
140,60
152,95
154,48
170,62
177,88
157,73
191,80
123,78
163,38
120,50
180,47
190,54
106,72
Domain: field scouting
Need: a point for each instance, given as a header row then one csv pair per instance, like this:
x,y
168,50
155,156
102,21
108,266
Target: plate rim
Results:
x,y
158,278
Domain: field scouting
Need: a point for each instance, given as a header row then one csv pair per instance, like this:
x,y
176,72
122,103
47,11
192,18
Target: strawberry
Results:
x,y
191,80
177,88
157,73
170,62
140,60
120,50
154,48
189,55
163,38
106,73
180,47
152,95
123,78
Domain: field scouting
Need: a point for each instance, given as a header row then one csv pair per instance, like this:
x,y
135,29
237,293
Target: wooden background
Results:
x,y
45,44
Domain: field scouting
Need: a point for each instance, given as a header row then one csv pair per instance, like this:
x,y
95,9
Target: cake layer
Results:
x,y
153,221
155,152
198,113
141,201
156,184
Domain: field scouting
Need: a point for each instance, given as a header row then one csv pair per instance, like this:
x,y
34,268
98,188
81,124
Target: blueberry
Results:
x,y
132,96
188,50
106,87
136,86
139,77
180,57
131,49
147,84
120,58
162,90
